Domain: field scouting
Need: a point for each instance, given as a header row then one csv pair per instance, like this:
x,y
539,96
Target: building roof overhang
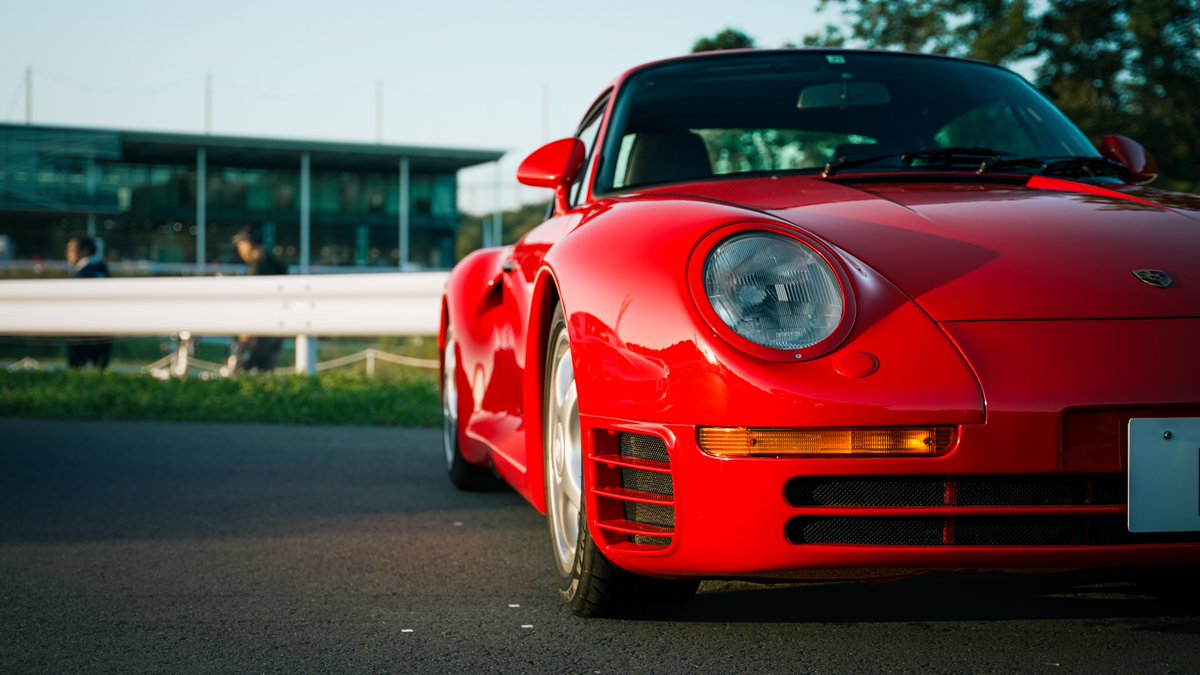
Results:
x,y
258,152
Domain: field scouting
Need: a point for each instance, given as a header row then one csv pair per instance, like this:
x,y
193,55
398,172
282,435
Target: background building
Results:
x,y
143,194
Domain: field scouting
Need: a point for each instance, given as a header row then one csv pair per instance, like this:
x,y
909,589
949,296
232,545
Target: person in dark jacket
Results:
x,y
256,353
85,264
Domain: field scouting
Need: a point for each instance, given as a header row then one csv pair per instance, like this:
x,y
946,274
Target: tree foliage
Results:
x,y
730,38
515,224
1113,66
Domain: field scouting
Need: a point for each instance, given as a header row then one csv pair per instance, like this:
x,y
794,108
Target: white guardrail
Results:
x,y
301,306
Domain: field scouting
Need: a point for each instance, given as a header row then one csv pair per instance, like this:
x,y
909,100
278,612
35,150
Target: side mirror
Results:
x,y
553,165
1130,154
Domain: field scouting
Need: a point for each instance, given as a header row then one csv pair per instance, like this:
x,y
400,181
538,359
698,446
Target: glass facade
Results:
x,y
136,193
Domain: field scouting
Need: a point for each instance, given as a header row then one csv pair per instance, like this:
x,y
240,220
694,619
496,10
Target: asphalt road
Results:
x,y
132,547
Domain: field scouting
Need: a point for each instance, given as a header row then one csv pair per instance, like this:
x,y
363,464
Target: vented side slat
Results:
x,y
634,496
631,528
619,462
640,543
645,490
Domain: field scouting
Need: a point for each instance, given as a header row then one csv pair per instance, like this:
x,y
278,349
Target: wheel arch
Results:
x,y
469,289
541,310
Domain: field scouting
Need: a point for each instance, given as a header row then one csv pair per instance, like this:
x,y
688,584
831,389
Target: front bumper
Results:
x,y
1018,492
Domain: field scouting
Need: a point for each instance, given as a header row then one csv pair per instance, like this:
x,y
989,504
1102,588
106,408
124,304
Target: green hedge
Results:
x,y
293,399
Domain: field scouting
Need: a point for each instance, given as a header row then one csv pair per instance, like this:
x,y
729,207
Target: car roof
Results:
x,y
733,54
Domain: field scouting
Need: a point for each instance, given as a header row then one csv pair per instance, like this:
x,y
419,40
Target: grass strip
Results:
x,y
329,399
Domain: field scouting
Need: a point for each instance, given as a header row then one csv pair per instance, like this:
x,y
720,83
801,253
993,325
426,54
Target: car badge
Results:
x,y
1155,278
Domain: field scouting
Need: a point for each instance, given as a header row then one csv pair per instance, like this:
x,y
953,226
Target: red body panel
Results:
x,y
1002,307
646,360
980,251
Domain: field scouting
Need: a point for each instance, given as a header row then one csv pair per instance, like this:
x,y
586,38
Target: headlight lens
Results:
x,y
773,290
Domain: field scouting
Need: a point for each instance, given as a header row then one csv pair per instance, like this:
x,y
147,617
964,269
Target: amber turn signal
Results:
x,y
903,442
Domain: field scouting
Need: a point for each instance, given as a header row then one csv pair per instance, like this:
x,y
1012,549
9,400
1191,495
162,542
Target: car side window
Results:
x,y
587,133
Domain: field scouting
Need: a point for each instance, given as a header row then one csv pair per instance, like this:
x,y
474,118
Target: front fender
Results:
x,y
644,352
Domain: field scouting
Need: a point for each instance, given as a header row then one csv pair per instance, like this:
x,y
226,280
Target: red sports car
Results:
x,y
802,315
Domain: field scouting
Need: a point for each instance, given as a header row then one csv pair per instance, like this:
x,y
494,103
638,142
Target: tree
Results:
x,y
730,38
515,224
1127,66
989,30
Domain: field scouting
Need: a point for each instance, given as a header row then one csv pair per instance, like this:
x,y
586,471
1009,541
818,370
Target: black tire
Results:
x,y
463,475
589,583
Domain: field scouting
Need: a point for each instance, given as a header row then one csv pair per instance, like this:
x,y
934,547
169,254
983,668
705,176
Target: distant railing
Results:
x,y
300,306
178,363
59,269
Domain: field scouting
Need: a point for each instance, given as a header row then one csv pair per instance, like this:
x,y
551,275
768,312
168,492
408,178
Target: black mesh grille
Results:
x,y
650,514
1021,491
1109,489
647,481
866,492
1020,531
963,491
866,531
638,446
975,531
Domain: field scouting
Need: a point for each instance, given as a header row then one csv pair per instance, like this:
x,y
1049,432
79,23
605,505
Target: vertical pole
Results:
x,y
179,367
201,209
305,233
371,362
208,103
28,94
90,178
306,355
404,213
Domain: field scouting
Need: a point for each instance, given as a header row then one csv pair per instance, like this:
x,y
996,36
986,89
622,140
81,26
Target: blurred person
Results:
x,y
85,264
256,353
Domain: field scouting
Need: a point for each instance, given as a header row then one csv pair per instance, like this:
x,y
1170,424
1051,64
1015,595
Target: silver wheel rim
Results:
x,y
450,403
564,456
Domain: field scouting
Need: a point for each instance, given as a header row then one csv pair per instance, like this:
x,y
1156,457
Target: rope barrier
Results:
x,y
370,356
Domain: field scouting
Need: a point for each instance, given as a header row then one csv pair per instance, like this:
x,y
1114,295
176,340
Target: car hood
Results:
x,y
1004,251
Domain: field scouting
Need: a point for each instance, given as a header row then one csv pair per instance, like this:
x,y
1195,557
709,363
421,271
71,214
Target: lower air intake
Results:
x,y
973,531
649,448
1020,490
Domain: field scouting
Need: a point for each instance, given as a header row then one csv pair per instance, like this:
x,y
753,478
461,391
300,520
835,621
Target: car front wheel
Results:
x,y
589,584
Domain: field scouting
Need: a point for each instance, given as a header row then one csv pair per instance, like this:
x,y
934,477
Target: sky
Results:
x,y
503,76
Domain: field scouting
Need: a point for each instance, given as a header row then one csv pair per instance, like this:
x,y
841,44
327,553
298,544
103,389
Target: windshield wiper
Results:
x,y
947,157
1059,166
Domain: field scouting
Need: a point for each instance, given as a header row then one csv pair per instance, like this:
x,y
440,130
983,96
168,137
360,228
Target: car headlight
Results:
x,y
774,290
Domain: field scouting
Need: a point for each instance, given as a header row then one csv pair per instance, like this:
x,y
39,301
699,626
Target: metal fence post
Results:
x,y
179,365
306,355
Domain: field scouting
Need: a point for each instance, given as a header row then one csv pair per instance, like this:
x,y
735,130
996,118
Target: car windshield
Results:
x,y
818,111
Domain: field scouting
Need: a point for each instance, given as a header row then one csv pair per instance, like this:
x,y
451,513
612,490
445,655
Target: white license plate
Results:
x,y
1164,475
